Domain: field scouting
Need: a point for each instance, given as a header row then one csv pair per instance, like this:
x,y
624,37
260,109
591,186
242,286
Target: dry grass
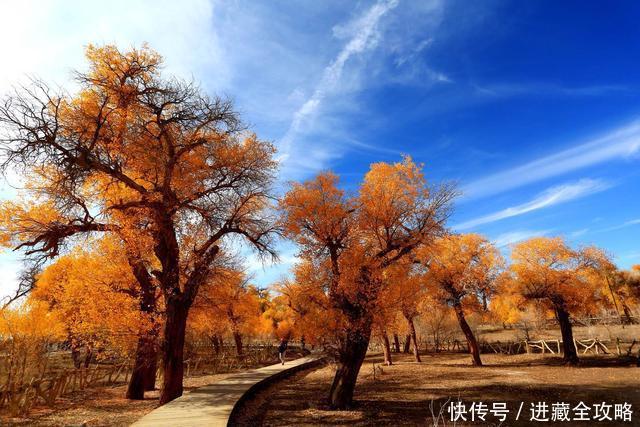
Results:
x,y
106,405
402,394
100,406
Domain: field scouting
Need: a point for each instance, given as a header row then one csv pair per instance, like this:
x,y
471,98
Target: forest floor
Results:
x,y
100,406
106,405
410,393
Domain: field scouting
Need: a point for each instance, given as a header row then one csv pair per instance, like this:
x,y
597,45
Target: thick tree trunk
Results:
x,y
352,353
386,349
414,337
237,338
150,371
570,352
145,362
143,377
396,343
173,348
474,349
407,344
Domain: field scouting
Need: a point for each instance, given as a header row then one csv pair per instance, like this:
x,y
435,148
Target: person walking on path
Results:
x,y
282,348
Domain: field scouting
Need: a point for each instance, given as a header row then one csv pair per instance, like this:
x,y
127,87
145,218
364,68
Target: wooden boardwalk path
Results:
x,y
213,404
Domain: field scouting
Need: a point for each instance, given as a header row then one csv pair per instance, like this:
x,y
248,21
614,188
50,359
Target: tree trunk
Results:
x,y
75,356
215,340
237,338
386,349
396,343
570,351
88,356
150,371
177,309
416,350
474,349
145,362
143,377
352,353
407,344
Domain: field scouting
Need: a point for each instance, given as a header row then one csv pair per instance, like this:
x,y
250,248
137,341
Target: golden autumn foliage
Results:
x,y
349,241
462,272
566,281
135,186
25,334
547,269
95,294
169,171
229,306
462,269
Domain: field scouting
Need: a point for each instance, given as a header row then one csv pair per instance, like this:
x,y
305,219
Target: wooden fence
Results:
x,y
554,346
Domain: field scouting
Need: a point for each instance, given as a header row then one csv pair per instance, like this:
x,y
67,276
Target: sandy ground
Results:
x,y
410,393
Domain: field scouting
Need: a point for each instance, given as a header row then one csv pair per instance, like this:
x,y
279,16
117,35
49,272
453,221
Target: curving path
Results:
x,y
213,404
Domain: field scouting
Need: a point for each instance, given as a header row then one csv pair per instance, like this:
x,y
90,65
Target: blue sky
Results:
x,y
532,107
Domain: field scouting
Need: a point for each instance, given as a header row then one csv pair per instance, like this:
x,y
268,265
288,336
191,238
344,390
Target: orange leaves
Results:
x,y
115,70
547,269
21,221
390,194
227,303
32,321
93,293
463,267
352,244
316,212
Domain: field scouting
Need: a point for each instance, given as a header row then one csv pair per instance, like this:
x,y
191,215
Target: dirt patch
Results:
x,y
410,393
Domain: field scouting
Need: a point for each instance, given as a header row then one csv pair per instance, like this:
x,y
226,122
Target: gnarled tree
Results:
x,y
462,271
133,153
565,280
356,238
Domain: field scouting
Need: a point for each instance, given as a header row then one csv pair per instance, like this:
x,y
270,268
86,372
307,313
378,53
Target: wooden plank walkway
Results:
x,y
213,404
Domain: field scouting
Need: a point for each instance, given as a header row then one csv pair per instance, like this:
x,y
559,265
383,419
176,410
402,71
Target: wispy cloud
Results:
x,y
546,89
620,226
617,144
413,53
364,36
509,238
578,233
552,196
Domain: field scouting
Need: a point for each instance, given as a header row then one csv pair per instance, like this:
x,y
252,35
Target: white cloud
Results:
x,y
363,36
507,239
47,38
552,196
618,144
